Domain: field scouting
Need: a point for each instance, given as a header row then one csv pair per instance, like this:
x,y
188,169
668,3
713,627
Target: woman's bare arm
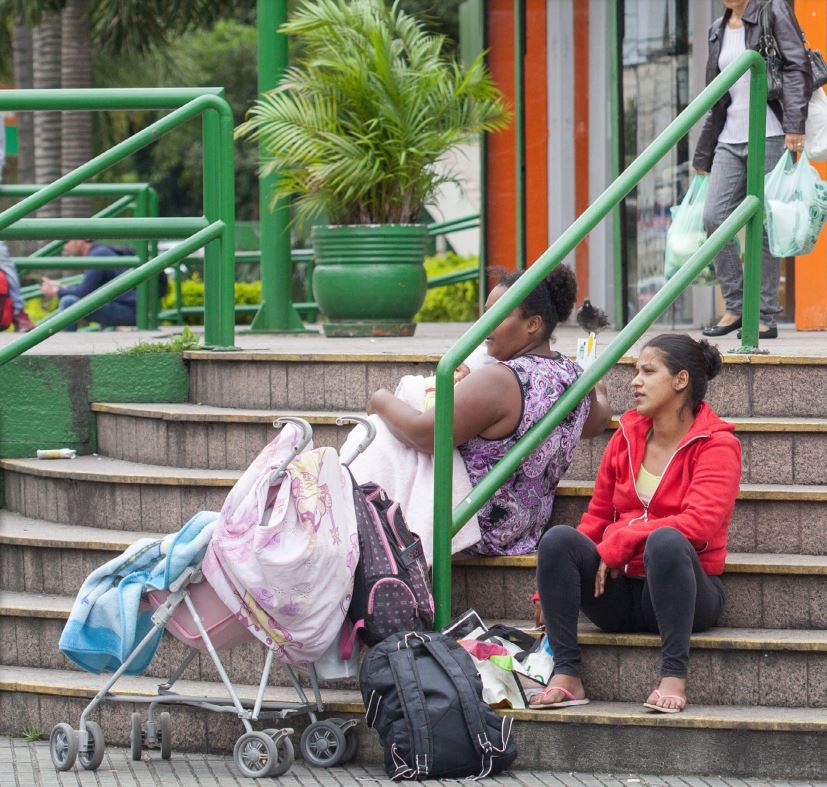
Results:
x,y
487,400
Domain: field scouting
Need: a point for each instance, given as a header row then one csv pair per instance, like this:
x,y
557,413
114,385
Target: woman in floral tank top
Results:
x,y
495,405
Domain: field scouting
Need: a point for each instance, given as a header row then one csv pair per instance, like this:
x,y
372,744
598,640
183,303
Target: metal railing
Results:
x,y
749,213
139,198
214,230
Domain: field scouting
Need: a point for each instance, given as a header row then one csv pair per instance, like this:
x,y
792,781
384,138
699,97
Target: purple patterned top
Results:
x,y
512,521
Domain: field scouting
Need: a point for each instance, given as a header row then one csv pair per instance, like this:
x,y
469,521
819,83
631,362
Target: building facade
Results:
x,y
601,79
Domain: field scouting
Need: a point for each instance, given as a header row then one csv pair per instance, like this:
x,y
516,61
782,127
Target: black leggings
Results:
x,y
675,599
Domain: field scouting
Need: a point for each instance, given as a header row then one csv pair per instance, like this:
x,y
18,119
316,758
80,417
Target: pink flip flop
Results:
x,y
568,702
661,696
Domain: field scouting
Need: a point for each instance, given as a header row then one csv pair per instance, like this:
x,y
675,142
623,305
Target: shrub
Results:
x,y
456,302
192,294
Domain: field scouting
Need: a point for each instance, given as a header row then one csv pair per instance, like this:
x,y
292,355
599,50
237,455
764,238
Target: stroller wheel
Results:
x,y
63,746
323,744
136,737
351,746
348,727
286,755
92,756
255,754
166,735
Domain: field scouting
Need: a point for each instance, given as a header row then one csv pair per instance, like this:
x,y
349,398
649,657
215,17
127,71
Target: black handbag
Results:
x,y
818,67
768,49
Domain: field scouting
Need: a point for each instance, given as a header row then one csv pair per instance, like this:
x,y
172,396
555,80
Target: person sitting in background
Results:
x,y
496,404
120,311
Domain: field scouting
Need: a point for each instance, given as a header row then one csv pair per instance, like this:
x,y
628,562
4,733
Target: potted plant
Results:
x,y
355,130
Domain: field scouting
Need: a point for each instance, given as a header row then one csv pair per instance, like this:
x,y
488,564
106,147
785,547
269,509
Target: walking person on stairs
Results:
x,y
648,553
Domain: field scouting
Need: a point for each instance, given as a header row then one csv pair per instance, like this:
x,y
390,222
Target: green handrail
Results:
x,y
749,212
215,228
137,197
112,289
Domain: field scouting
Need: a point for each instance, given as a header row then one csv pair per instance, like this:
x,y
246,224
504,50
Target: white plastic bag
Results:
x,y
686,232
795,206
815,141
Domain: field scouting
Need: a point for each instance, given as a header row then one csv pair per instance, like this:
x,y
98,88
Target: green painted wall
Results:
x,y
44,400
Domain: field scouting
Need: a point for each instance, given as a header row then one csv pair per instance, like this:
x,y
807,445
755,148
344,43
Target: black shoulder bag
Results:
x,y
768,49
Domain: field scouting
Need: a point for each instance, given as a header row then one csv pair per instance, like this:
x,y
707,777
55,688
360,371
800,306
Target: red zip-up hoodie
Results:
x,y
696,493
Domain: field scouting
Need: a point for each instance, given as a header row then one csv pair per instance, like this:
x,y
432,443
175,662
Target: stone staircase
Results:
x,y
758,684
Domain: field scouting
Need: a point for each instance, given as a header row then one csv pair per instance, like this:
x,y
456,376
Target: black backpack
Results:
x,y
391,588
423,695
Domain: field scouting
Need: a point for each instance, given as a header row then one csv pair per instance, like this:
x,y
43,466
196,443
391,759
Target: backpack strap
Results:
x,y
469,702
412,700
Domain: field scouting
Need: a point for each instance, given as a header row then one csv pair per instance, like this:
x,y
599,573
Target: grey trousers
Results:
x,y
727,188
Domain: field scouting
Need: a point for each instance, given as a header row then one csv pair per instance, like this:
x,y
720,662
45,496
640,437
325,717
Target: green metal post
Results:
x,y
616,144
153,210
755,226
519,129
226,211
144,292
276,314
212,251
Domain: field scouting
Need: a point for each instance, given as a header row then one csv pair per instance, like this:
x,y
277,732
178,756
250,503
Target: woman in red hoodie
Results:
x,y
649,550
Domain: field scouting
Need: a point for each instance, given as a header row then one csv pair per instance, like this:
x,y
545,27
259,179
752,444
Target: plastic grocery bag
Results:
x,y
815,141
686,232
795,206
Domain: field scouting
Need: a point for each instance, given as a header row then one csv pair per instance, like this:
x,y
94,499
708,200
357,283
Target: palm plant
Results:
x,y
356,127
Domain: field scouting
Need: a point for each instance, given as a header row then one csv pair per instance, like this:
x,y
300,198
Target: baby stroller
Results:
x,y
192,612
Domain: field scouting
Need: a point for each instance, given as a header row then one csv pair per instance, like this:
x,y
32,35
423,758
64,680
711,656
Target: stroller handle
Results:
x,y
304,439
366,441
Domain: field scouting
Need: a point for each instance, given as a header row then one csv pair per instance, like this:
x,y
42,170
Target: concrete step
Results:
x,y
785,668
192,435
109,493
313,381
763,591
790,743
754,385
45,557
774,450
31,624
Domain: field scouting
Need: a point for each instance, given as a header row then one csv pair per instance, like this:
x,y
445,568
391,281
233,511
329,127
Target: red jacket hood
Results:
x,y
696,494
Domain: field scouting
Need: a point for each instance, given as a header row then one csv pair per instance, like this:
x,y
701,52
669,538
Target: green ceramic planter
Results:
x,y
369,279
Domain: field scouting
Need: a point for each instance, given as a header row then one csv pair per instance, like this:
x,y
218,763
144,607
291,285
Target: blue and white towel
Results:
x,y
106,621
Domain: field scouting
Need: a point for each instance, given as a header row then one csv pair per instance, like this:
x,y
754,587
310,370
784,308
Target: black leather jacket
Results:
x,y
791,110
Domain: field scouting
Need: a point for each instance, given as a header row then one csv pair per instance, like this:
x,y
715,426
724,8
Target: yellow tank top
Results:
x,y
646,484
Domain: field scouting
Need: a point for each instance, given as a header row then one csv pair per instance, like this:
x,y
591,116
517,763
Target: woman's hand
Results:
x,y
603,573
794,142
701,172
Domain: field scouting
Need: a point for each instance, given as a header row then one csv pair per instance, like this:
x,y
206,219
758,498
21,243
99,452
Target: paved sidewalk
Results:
x,y
25,764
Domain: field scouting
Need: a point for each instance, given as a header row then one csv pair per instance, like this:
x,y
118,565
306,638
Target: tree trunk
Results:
x,y
46,38
23,80
76,72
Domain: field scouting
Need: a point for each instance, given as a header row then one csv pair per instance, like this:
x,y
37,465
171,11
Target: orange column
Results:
x,y
811,269
501,174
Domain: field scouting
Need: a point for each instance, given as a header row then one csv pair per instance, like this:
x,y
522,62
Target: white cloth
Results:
x,y
407,475
736,128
